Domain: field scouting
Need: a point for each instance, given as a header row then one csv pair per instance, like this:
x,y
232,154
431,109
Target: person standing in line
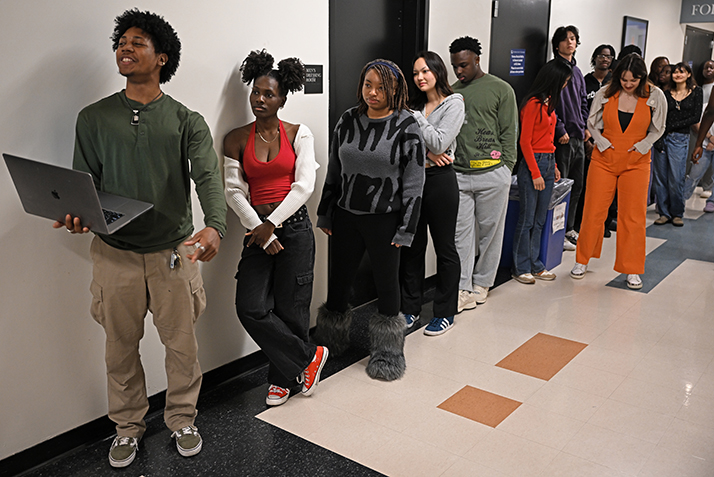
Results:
x,y
570,131
537,172
701,171
370,202
143,144
268,182
684,109
440,114
601,62
485,156
626,118
656,68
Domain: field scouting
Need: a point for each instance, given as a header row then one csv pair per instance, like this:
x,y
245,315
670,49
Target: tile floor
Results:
x,y
636,400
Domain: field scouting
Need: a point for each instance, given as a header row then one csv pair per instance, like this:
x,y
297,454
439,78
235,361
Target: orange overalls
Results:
x,y
629,174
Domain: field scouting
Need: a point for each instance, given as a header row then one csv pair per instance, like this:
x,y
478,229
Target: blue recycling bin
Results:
x,y
551,242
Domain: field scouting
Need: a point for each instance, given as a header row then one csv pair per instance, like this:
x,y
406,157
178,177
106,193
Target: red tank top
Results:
x,y
269,181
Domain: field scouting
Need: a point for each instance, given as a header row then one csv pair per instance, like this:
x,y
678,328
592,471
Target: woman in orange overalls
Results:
x,y
626,118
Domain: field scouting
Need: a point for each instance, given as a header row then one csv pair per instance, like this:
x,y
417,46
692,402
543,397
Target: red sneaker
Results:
x,y
277,395
311,375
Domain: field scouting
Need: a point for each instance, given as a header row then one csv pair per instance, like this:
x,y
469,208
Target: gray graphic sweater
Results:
x,y
376,166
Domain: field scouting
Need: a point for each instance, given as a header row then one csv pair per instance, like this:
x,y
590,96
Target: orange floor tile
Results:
x,y
480,406
542,356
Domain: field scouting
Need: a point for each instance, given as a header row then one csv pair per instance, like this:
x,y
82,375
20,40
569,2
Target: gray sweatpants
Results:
x,y
483,200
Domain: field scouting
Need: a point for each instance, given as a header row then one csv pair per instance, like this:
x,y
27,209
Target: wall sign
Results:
x,y
313,79
518,63
696,11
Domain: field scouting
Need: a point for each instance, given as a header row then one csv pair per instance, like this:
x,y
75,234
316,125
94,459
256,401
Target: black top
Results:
x,y
682,114
592,85
624,118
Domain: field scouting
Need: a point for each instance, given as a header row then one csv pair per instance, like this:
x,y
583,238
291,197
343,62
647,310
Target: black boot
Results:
x,y
333,330
386,335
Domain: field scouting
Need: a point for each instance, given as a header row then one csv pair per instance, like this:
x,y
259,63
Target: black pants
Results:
x,y
351,235
439,209
571,163
273,296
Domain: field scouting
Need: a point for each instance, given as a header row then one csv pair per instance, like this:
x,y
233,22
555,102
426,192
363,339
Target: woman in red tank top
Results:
x,y
270,173
626,118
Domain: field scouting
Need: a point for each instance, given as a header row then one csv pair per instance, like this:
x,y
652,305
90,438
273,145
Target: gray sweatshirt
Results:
x,y
442,126
376,166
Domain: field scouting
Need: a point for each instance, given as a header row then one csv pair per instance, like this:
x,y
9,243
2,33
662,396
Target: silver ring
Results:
x,y
68,230
198,245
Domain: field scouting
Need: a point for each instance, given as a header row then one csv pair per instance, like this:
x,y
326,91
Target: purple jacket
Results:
x,y
572,110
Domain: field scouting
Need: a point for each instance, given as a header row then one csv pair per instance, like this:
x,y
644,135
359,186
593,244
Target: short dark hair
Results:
x,y
290,74
629,49
682,66
561,33
163,37
465,43
635,65
549,83
418,99
395,86
598,50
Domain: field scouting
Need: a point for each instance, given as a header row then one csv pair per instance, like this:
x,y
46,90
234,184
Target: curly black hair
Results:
x,y
290,74
163,37
465,43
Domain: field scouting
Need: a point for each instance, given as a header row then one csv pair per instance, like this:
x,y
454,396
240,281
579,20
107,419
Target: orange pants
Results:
x,y
631,182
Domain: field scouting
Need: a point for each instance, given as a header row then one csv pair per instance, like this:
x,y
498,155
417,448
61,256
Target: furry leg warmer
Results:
x,y
386,334
333,330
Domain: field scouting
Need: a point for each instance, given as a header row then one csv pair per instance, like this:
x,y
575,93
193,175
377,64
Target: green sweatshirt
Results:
x,y
153,161
488,137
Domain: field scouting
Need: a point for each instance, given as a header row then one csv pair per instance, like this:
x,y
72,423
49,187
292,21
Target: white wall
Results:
x,y
601,22
57,58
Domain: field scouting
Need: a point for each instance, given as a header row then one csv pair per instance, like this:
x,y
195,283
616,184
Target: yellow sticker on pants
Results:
x,y
484,163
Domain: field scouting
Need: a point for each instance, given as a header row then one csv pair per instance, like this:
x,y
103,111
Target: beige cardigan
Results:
x,y
657,102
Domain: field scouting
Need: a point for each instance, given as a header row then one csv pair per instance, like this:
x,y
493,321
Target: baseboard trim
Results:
x,y
103,428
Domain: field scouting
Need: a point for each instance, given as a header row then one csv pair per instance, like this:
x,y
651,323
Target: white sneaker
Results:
x,y
466,301
480,294
572,235
634,282
578,271
705,194
568,246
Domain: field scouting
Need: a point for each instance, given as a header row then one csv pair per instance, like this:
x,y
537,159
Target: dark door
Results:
x,y
697,48
519,33
361,31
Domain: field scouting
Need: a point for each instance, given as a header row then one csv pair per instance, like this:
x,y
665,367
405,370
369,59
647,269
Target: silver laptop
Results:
x,y
53,192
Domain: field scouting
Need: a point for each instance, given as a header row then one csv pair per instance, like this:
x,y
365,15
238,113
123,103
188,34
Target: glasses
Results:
x,y
603,57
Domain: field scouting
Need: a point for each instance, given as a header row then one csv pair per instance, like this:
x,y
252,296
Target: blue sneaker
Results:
x,y
410,319
438,326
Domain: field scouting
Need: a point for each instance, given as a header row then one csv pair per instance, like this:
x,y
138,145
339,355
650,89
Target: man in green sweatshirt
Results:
x,y
143,144
485,156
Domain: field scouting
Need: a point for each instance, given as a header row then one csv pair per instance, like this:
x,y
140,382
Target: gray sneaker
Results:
x,y
123,451
188,441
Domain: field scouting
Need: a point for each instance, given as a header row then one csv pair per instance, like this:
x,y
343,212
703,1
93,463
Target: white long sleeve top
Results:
x,y
238,192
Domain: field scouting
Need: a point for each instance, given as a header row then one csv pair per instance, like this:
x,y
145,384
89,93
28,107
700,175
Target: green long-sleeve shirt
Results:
x,y
488,136
155,162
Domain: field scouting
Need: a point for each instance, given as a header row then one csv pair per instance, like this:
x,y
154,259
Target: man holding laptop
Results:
x,y
143,144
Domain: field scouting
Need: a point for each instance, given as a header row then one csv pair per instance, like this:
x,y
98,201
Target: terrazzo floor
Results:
x,y
633,397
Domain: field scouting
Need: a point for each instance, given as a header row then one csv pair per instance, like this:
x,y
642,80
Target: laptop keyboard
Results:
x,y
110,216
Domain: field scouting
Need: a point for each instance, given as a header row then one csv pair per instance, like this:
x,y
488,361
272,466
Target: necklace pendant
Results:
x,y
135,118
